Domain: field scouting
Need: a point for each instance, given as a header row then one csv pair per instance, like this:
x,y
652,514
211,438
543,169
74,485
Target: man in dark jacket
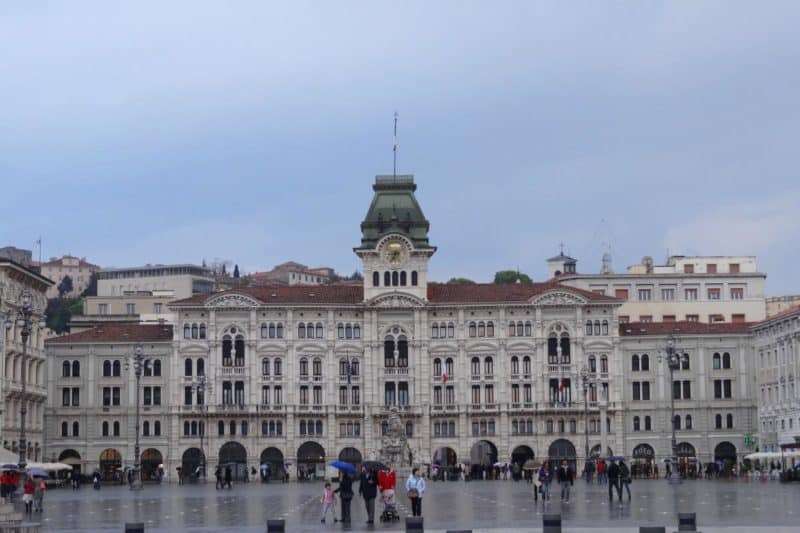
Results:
x,y
368,488
613,481
564,475
345,491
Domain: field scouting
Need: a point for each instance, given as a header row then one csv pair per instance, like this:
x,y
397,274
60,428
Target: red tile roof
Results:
x,y
635,329
777,316
118,332
437,293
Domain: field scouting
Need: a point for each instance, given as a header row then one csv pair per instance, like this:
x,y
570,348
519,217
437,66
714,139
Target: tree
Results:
x,y
91,287
236,271
65,287
57,314
223,269
356,276
511,276
460,281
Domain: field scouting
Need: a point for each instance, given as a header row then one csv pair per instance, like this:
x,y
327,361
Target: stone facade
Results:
x,y
77,268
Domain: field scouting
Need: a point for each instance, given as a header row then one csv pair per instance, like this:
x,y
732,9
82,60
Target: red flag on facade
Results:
x,y
444,377
561,384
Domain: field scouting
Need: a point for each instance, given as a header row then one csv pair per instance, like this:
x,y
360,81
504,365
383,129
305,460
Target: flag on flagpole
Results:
x,y
561,384
349,371
444,377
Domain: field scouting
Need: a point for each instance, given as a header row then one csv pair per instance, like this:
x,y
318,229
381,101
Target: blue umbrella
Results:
x,y
37,472
344,466
615,458
9,466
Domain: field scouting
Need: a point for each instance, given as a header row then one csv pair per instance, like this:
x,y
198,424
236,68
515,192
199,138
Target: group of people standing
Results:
x,y
615,473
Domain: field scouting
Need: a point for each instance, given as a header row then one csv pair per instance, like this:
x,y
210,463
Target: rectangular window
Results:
x,y
688,269
156,395
733,268
450,395
76,397
646,319
713,294
690,294
624,319
130,309
157,308
621,293
102,309
713,319
65,397
687,390
106,396
637,390
693,318
148,396
645,294
476,394
489,392
115,396
737,293
668,318
737,318
667,294
187,395
726,388
676,390
645,391
304,395
711,268
717,388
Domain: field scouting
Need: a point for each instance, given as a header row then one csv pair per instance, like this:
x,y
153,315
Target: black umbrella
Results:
x,y
377,465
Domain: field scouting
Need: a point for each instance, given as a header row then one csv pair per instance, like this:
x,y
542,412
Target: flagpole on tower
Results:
x,y
394,147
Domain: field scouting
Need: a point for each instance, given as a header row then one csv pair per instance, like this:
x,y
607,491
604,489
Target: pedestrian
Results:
x,y
328,501
415,489
27,494
228,477
545,477
601,471
667,470
96,481
368,488
218,476
345,490
38,494
613,481
565,480
624,479
5,483
537,485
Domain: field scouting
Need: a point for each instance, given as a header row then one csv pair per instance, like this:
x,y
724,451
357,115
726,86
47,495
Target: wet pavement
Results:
x,y
489,505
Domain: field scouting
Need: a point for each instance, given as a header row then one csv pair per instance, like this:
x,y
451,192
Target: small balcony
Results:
x,y
353,379
560,368
233,371
396,371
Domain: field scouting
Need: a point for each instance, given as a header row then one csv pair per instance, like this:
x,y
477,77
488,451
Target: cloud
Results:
x,y
739,229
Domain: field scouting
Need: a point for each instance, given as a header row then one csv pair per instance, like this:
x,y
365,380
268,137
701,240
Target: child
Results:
x,y
328,501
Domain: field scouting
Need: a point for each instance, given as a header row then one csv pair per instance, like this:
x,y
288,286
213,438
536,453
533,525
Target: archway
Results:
x,y
684,450
643,462
725,456
72,458
110,465
594,453
190,461
310,461
521,454
150,462
233,455
274,458
482,455
560,450
445,456
351,455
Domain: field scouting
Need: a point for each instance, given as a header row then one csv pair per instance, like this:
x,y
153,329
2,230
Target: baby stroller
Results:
x,y
389,513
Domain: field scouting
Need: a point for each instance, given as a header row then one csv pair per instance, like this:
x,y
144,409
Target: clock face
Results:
x,y
394,253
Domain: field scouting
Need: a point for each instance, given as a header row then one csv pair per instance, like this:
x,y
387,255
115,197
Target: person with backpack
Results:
x,y
624,479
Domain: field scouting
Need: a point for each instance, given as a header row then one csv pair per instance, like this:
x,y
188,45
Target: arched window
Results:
x,y
264,427
105,429
565,349
481,329
414,278
340,330
395,279
195,331
202,331
76,368
264,330
514,365
316,367
716,361
647,426
245,428
193,430
718,421
588,327
520,330
157,367
303,367
387,279
437,367
356,331
66,369
561,425
409,429
187,331
490,329
271,330
685,362
265,366
729,420
354,367
301,331
636,426
512,330
645,363
319,332
146,428
526,365
473,329
279,330
592,364
475,365
221,428
605,327
319,427
528,329
227,350
64,429
201,367
597,327
116,429
726,362
488,365
676,422
376,279
277,368
448,367
232,428
603,364
157,428
106,368
688,424
187,367
635,363
434,331
403,278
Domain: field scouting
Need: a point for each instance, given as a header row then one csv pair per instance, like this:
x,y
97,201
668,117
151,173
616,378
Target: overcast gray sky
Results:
x,y
167,132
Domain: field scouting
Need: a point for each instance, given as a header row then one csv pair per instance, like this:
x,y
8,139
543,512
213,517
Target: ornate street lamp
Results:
x,y
202,387
25,313
585,384
138,361
672,356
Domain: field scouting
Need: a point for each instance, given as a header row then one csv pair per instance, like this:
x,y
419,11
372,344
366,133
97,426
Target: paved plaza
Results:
x,y
490,505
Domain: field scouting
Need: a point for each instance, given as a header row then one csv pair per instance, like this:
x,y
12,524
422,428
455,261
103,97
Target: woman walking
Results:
x,y
545,477
345,490
415,487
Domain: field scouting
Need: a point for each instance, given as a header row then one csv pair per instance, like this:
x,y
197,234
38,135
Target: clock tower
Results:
x,y
394,247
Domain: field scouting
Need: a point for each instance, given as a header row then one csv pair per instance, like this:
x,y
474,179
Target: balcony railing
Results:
x,y
395,371
353,379
240,371
560,368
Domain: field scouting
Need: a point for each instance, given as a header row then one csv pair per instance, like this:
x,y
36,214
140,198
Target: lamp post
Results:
x,y
138,364
25,313
673,359
585,384
202,386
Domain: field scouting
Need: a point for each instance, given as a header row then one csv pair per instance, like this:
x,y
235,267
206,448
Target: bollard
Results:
x,y
276,526
652,529
551,523
134,527
414,523
687,521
